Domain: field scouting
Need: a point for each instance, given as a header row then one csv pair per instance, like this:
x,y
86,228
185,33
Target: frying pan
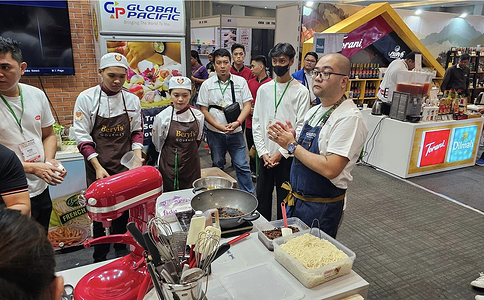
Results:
x,y
232,198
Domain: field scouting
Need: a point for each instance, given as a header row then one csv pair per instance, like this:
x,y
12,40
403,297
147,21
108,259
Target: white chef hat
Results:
x,y
113,60
180,82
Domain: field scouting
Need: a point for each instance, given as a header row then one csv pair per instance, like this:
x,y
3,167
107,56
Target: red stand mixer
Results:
x,y
126,278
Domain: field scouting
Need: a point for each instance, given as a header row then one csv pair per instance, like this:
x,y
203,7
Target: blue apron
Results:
x,y
308,183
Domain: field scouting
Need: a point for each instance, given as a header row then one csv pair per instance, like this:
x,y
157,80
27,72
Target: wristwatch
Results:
x,y
292,147
159,47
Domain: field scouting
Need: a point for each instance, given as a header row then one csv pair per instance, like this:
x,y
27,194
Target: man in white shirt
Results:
x,y
26,129
326,149
282,99
222,136
389,82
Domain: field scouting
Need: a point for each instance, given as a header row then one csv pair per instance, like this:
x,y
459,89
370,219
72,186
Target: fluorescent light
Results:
x,y
309,4
463,15
418,12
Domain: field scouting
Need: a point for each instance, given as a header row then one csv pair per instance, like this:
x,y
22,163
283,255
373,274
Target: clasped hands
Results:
x,y
282,134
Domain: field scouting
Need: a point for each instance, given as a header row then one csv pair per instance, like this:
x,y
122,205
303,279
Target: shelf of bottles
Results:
x,y
364,81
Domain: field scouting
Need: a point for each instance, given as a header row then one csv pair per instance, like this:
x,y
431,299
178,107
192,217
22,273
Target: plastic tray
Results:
x,y
296,222
262,281
311,278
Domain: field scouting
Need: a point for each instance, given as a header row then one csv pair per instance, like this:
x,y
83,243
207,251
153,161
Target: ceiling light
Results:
x,y
309,4
418,12
463,15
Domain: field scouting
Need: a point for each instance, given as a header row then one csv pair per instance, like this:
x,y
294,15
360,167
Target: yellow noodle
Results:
x,y
313,252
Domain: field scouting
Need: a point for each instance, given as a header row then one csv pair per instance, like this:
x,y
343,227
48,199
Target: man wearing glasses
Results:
x,y
216,93
326,149
304,75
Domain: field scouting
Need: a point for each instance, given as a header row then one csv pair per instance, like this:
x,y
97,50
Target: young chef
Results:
x,y
177,133
107,123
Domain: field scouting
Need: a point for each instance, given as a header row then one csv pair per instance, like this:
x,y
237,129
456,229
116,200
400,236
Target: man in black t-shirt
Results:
x,y
14,191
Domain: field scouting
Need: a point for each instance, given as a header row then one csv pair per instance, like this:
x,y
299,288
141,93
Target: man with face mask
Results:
x,y
107,123
282,99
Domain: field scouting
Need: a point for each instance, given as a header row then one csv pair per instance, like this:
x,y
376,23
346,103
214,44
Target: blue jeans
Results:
x,y
219,144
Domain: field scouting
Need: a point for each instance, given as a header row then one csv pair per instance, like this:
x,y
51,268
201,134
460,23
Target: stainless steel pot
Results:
x,y
210,183
233,198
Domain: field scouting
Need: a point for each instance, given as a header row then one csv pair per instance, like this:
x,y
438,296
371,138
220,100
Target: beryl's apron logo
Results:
x,y
396,53
141,11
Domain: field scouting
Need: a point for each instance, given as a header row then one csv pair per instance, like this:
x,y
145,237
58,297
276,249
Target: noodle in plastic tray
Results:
x,y
313,260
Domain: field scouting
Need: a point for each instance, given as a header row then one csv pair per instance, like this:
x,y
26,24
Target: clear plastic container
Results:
x,y
311,278
295,222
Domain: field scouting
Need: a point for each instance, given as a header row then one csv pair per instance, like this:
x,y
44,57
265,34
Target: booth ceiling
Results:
x,y
395,4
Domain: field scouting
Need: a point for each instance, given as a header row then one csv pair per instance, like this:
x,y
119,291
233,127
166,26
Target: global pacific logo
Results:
x,y
142,11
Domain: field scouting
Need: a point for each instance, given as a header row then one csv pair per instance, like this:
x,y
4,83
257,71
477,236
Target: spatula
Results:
x,y
285,230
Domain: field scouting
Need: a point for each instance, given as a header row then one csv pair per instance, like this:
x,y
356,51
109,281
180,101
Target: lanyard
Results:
x,y
19,121
275,94
327,114
223,92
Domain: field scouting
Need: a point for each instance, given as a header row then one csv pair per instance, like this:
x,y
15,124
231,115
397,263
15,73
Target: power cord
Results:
x,y
372,139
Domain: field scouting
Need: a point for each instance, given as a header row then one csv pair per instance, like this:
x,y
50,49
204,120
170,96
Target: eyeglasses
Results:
x,y
324,75
310,61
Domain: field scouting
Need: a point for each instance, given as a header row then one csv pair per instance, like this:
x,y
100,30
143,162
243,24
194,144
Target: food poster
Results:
x,y
69,222
151,65
245,39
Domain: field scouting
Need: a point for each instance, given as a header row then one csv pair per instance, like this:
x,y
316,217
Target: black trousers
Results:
x,y
268,178
250,143
118,226
41,208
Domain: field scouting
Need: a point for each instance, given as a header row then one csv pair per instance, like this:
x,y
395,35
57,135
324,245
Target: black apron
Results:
x,y
179,163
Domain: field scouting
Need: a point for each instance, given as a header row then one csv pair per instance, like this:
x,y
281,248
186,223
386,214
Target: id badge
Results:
x,y
29,150
271,121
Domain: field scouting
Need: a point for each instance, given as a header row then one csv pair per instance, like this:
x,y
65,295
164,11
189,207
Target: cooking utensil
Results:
x,y
191,275
68,293
232,198
285,230
211,182
152,249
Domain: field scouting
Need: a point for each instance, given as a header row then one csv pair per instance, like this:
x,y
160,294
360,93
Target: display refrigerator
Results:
x,y
151,34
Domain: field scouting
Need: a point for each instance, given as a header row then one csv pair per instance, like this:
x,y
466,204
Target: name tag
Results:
x,y
30,151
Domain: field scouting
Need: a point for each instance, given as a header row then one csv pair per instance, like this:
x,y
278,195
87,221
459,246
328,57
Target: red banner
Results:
x,y
433,148
364,36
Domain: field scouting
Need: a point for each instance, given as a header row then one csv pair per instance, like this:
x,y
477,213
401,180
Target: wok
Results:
x,y
232,198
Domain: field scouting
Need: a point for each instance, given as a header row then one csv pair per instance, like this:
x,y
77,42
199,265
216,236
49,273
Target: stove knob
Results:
x,y
92,201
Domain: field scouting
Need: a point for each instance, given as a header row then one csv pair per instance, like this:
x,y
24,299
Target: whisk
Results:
x,y
206,249
161,235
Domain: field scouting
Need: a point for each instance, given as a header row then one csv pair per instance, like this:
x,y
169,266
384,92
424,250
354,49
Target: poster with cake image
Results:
x,y
151,65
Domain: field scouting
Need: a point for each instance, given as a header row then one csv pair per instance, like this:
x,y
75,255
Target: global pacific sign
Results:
x,y
155,17
142,11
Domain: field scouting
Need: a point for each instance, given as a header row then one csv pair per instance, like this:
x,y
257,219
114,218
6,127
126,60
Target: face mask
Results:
x,y
281,70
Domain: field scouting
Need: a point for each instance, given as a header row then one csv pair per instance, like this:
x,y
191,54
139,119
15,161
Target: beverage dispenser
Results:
x,y
411,89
